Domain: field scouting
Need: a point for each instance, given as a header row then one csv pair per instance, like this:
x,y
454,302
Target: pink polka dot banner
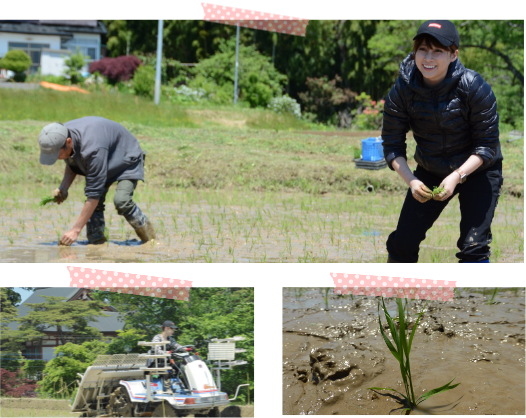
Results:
x,y
132,284
255,20
399,287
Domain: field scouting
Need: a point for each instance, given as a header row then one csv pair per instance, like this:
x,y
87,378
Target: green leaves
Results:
x,y
441,389
404,346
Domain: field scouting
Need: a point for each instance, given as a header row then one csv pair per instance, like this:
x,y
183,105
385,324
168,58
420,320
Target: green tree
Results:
x,y
126,342
69,318
13,296
33,369
11,342
117,37
144,81
258,80
17,61
74,64
495,49
60,373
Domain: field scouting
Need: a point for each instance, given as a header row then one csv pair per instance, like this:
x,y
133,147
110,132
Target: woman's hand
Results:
x,y
420,191
448,184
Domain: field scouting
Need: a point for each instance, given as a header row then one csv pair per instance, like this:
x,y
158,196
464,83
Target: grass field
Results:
x,y
14,412
221,189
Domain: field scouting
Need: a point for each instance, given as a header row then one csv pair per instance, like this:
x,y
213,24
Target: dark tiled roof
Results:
x,y
104,324
53,27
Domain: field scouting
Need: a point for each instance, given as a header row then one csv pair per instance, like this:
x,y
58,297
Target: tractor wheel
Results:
x,y
122,405
214,413
164,409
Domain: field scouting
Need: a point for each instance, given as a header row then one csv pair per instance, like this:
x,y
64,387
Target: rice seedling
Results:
x,y
46,200
298,292
401,354
437,190
325,295
492,300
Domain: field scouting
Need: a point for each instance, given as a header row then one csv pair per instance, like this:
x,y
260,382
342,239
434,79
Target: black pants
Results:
x,y
123,198
478,198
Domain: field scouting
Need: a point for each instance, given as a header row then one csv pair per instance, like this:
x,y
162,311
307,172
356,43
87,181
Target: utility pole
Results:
x,y
159,62
237,64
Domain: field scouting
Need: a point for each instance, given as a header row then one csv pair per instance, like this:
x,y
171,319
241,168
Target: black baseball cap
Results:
x,y
169,324
443,31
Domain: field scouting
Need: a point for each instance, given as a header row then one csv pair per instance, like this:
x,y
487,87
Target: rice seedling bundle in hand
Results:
x,y
46,200
437,190
401,354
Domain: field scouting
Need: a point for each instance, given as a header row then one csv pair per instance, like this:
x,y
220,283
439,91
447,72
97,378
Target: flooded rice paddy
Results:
x,y
225,226
330,356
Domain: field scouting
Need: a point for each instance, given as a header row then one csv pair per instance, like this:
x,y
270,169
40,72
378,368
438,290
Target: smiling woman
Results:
x,y
452,112
433,59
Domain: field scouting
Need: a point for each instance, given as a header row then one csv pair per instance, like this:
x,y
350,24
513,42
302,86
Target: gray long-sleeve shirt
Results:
x,y
104,152
171,346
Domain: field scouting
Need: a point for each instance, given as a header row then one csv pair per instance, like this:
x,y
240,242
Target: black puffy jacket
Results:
x,y
450,122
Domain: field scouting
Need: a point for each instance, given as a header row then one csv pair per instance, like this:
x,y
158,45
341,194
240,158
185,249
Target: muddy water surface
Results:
x,y
331,356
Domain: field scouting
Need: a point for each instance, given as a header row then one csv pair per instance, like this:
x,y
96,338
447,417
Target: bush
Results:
x,y
184,94
74,64
144,81
17,61
285,104
223,94
258,79
95,82
369,114
56,79
171,70
11,361
32,369
325,99
256,91
116,69
12,385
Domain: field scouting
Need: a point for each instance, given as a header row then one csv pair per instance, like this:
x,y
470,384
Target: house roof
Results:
x,y
53,27
110,323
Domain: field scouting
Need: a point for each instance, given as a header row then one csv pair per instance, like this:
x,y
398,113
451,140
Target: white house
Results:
x,y
33,36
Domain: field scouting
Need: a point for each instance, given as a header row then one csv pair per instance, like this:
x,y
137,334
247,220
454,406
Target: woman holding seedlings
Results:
x,y
452,112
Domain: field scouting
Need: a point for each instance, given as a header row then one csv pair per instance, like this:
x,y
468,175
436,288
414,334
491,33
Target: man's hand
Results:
x,y
69,237
60,195
448,184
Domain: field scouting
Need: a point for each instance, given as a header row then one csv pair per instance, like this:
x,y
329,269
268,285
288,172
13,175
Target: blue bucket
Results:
x,y
372,149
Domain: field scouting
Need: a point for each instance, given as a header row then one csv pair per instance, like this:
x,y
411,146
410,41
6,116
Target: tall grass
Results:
x,y
401,354
49,105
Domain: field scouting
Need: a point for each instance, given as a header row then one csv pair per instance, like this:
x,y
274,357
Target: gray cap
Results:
x,y
51,140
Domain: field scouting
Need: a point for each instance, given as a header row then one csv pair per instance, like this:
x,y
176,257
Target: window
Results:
x,y
32,353
33,50
91,53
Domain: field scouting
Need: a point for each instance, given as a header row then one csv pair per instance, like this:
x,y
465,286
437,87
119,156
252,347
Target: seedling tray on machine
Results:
x,y
370,165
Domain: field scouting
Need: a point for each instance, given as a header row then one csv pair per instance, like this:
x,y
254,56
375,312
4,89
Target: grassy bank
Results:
x,y
50,105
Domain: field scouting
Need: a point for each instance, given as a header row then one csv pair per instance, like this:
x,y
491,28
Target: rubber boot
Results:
x,y
391,259
95,228
143,227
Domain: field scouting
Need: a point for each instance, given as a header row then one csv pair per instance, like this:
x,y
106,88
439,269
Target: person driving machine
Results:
x,y
168,328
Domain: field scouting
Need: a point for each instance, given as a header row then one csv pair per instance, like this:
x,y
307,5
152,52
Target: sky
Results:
x,y
24,293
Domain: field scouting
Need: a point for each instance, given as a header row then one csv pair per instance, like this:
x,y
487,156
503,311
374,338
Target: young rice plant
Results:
x,y
401,353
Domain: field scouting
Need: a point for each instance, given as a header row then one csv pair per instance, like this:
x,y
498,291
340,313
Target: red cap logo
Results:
x,y
435,25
